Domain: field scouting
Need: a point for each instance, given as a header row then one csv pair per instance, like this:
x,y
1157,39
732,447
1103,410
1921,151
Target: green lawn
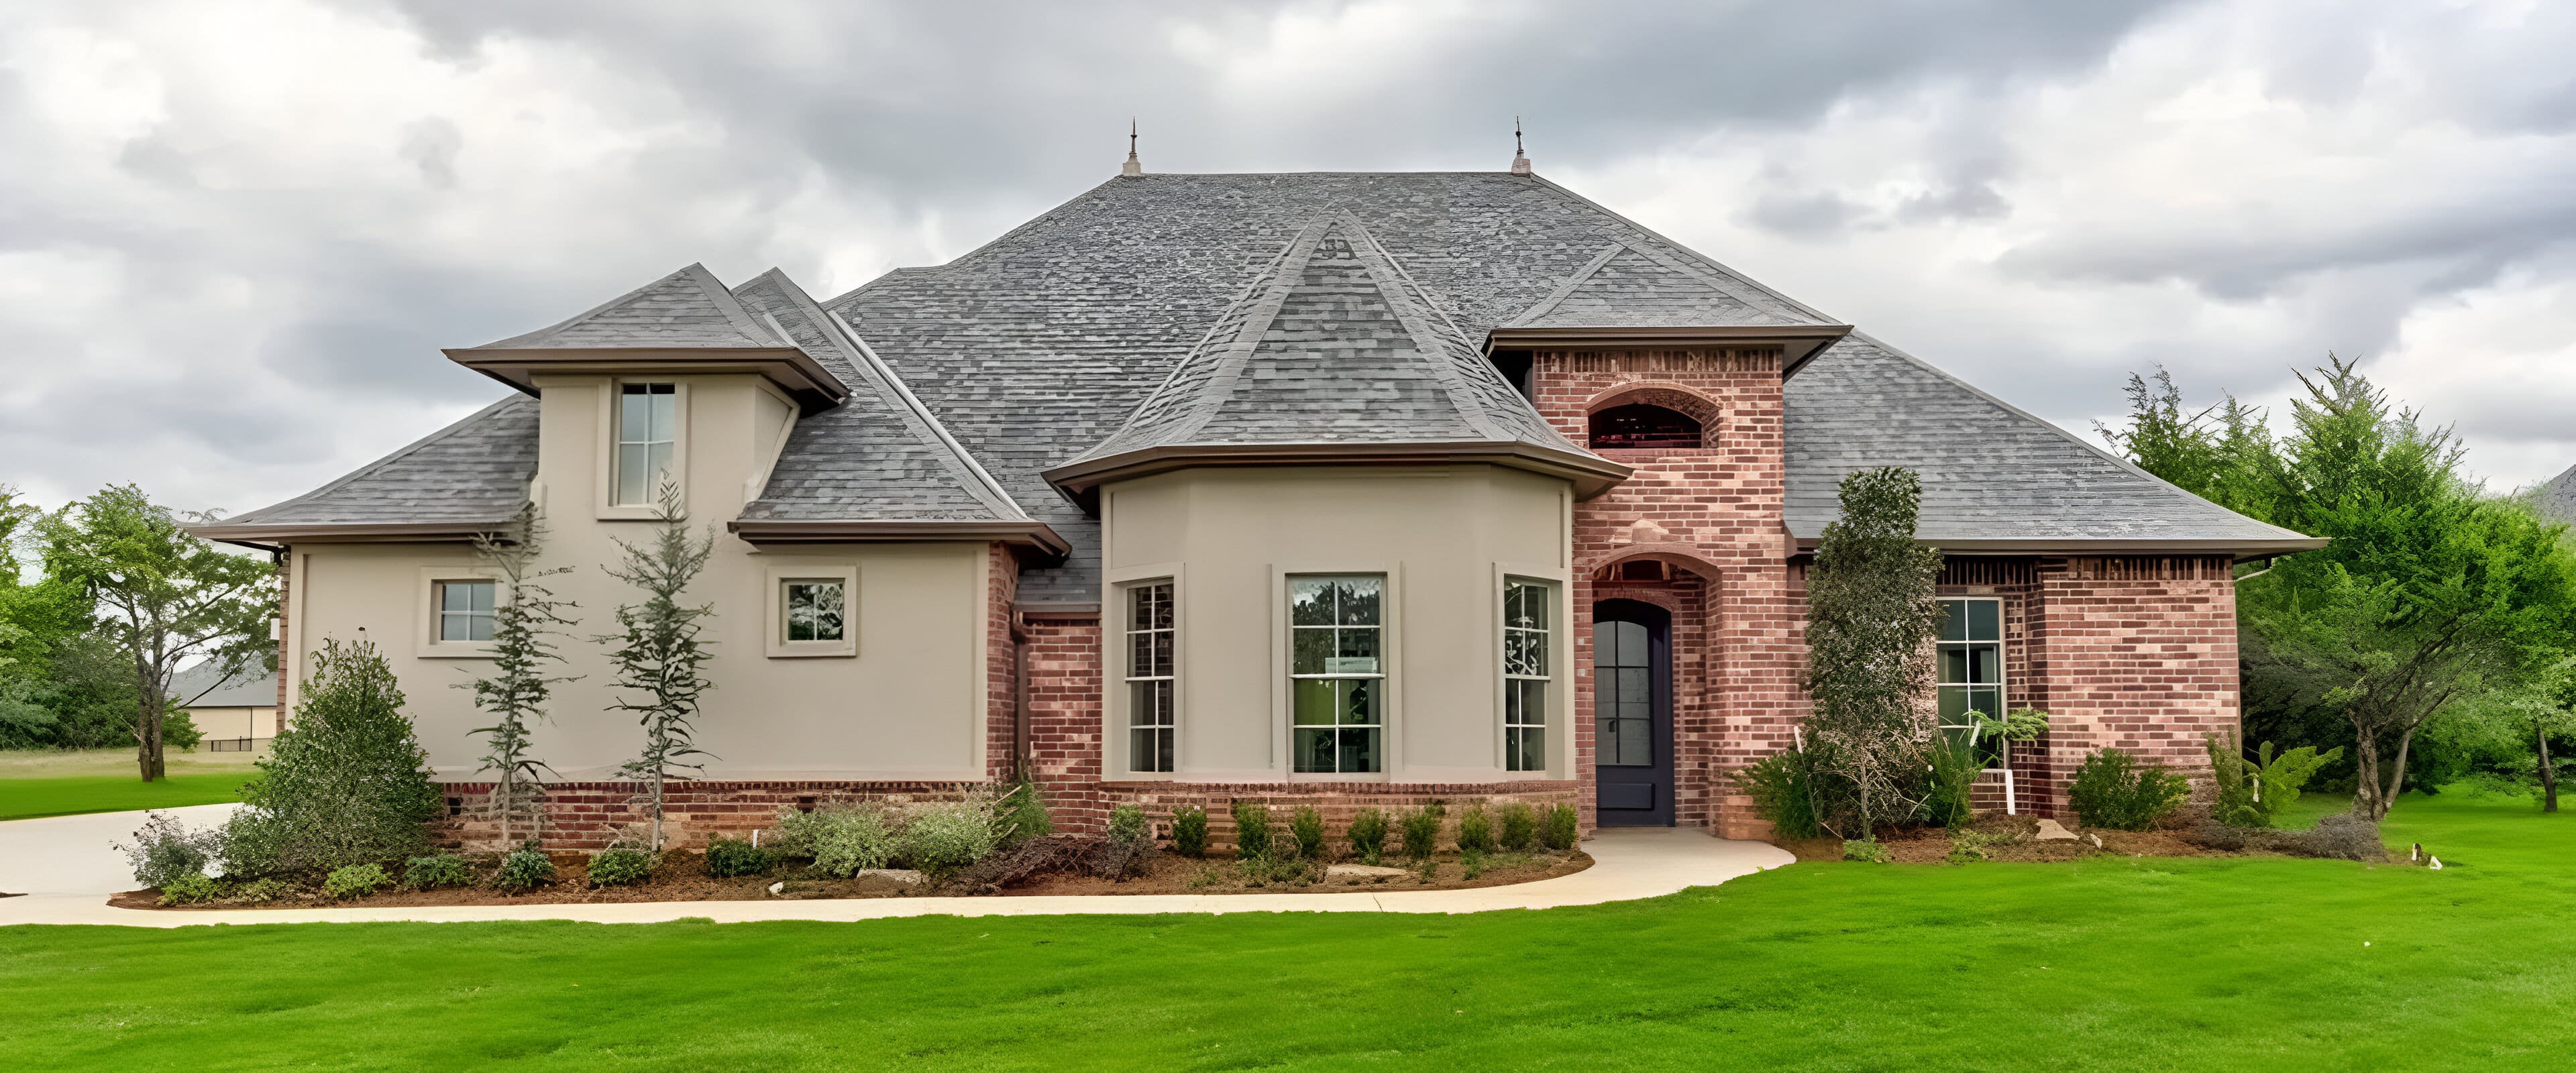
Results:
x,y
103,780
2110,964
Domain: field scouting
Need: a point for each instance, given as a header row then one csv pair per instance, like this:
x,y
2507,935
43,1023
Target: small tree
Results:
x,y
524,622
163,598
658,656
346,782
2549,710
1872,619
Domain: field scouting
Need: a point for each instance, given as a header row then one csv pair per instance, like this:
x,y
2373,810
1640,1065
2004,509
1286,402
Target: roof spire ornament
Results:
x,y
1133,166
1520,161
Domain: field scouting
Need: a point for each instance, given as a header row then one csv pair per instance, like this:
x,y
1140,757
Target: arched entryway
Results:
x,y
1632,713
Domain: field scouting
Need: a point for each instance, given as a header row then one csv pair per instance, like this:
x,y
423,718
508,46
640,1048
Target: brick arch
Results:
x,y
1688,557
1671,396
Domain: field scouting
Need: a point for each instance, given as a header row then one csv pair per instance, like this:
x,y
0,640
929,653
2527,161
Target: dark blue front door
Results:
x,y
1632,713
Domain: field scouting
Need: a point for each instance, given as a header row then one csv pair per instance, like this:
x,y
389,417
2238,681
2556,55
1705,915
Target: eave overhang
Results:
x,y
2238,549
1798,342
764,532
270,536
791,369
1080,480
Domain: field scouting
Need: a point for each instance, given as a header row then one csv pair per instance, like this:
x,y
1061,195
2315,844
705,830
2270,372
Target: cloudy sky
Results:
x,y
233,236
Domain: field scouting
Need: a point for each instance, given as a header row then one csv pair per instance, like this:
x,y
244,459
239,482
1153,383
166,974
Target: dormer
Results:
x,y
1635,297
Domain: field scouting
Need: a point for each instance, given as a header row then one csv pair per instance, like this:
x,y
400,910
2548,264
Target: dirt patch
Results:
x,y
683,878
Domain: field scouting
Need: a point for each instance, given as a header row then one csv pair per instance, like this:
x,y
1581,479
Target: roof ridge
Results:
x,y
1433,347
727,304
1711,262
400,453
1273,288
593,311
1564,290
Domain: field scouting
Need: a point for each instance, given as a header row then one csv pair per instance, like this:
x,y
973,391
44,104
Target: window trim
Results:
x,y
776,574
1124,610
2003,674
425,615
1559,747
605,447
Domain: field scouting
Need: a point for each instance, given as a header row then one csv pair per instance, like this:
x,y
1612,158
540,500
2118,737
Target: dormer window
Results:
x,y
648,430
1644,427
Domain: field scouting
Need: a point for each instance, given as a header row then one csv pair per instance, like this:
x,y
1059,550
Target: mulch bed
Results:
x,y
2017,843
683,878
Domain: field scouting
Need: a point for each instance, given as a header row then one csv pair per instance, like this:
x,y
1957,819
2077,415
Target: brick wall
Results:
x,y
2137,653
1064,719
1338,801
1001,663
585,817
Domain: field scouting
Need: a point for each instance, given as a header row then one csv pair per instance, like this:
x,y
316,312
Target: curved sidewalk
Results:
x,y
1627,864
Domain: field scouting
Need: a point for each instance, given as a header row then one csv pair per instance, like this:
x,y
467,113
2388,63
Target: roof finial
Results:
x,y
1133,166
1520,161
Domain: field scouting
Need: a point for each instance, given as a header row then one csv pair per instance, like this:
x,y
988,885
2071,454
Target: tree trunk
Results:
x,y
2548,775
2396,775
2365,784
147,729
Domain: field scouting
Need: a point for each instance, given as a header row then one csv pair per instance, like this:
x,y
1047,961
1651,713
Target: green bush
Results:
x,y
1306,831
1470,861
1419,826
1781,786
2252,793
730,857
1127,825
525,869
191,889
1866,849
620,866
941,837
1967,846
2112,789
1189,831
1559,826
843,840
1251,830
1022,815
431,873
258,891
1367,835
1953,776
345,783
165,851
1520,827
355,881
1475,830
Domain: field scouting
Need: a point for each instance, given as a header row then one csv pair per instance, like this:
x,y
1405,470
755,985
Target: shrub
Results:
x,y
621,866
1420,828
1189,830
345,783
1866,849
1021,815
1559,825
525,869
1367,835
1952,777
2114,790
1520,827
843,840
1470,861
258,891
431,873
1127,825
1475,830
940,838
191,889
1307,829
1967,846
1781,786
165,851
730,857
354,881
2252,793
1251,830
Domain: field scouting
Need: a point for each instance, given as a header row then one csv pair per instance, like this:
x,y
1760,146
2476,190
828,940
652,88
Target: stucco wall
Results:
x,y
910,705
1444,537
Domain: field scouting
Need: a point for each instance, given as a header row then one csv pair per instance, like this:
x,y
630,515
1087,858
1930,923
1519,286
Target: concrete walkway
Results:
x,y
67,871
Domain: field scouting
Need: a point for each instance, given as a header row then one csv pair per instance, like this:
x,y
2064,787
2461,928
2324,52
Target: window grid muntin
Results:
x,y
1528,618
814,610
1336,673
1969,674
465,609
1152,692
1623,701
644,454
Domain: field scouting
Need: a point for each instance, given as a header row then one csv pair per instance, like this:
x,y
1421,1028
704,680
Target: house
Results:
x,y
233,714
1342,489
2555,499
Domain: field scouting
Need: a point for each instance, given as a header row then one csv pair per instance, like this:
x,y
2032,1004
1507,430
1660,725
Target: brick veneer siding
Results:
x,y
1338,801
1001,663
1065,746
2137,653
586,816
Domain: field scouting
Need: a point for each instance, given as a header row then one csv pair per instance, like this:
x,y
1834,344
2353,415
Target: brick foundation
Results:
x,y
1338,801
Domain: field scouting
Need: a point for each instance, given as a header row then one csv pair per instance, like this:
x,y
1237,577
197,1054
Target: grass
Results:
x,y
2130,963
62,783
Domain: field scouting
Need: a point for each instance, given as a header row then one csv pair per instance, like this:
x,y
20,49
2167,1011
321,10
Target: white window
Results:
x,y
648,428
1152,717
1972,672
465,610
816,609
1336,681
1526,609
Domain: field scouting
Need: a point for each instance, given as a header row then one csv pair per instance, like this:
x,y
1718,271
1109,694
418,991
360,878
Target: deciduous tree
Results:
x,y
1872,617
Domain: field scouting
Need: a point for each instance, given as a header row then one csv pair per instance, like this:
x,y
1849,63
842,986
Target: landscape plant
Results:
x,y
1251,830
165,849
191,889
658,657
435,871
1022,814
354,881
1367,835
728,858
621,866
2114,789
524,869
843,840
1562,823
938,838
1306,828
2252,792
526,618
257,891
1867,850
1127,825
345,782
1475,830
1189,830
1419,827
1519,827
1872,617
1952,768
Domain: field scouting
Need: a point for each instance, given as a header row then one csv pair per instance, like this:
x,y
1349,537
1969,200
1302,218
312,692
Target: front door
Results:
x,y
1632,713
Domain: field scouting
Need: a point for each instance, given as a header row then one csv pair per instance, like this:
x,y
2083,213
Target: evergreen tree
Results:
x,y
346,782
659,656
525,619
1872,619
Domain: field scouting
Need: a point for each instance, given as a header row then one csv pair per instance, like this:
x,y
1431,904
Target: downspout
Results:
x,y
1020,697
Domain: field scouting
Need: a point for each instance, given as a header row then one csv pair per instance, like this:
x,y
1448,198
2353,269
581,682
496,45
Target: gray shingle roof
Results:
x,y
1991,473
687,309
1331,343
1623,287
2556,500
471,473
200,687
